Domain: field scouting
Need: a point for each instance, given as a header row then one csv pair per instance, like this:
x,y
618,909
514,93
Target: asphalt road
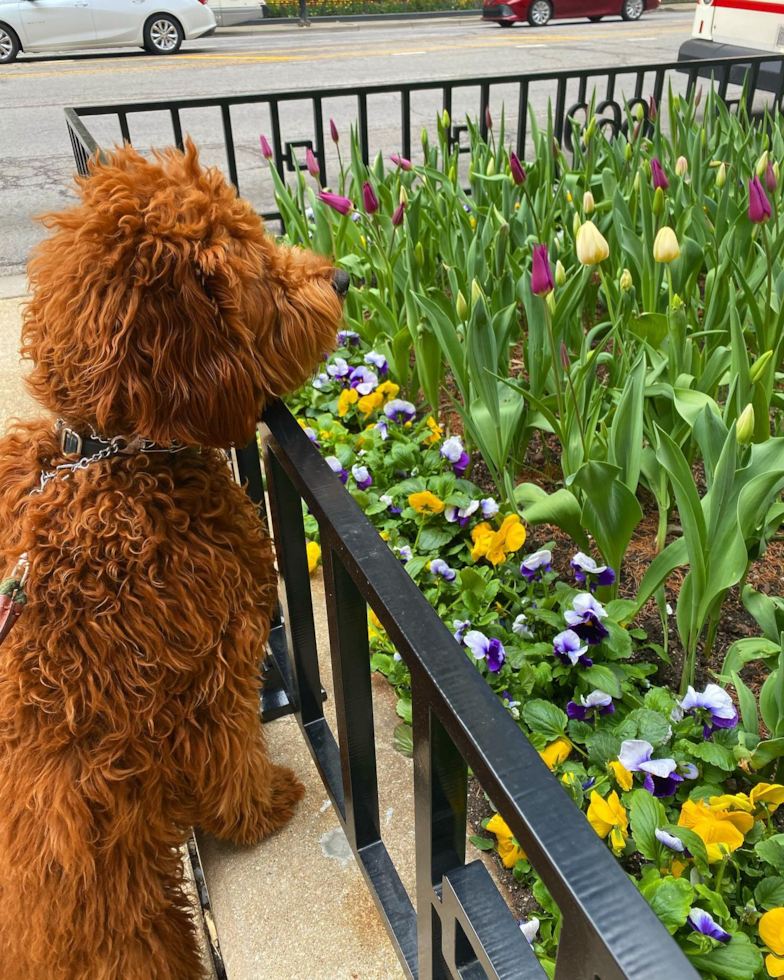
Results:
x,y
35,158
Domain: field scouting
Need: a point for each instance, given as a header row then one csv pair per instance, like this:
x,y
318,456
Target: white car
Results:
x,y
160,26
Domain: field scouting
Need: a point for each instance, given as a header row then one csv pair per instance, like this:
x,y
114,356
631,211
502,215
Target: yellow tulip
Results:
x,y
589,204
626,281
622,775
592,247
665,247
426,503
509,850
348,397
609,817
314,553
771,930
721,831
557,751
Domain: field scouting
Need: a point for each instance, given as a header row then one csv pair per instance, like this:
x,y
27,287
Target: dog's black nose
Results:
x,y
340,282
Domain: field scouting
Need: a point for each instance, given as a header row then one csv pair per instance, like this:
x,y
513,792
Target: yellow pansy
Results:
x,y
426,502
435,431
771,930
314,553
508,538
348,397
622,775
389,390
384,535
720,830
763,797
509,850
609,817
323,434
369,403
481,535
473,222
376,622
557,751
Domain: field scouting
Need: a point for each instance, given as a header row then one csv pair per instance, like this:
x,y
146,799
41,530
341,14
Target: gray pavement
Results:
x,y
35,160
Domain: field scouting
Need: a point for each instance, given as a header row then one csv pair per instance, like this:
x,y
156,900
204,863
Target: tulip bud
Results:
x,y
369,199
419,254
397,217
461,306
591,246
590,129
626,282
640,112
658,202
550,300
452,175
333,130
517,170
266,149
698,96
565,362
666,248
721,176
762,165
758,367
490,170
488,117
677,303
681,167
628,152
777,173
653,110
556,148
771,181
445,120
560,273
311,163
703,137
476,291
745,426
420,331
636,185
403,197
576,223
589,205
765,141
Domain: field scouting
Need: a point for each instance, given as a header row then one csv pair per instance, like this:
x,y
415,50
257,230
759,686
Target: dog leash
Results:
x,y
13,598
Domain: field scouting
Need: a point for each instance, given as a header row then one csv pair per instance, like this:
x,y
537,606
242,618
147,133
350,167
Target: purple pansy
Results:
x,y
441,570
453,451
521,628
534,566
597,703
339,368
461,625
461,514
589,783
389,501
529,929
363,379
669,840
713,707
703,922
362,476
348,338
404,553
337,467
486,648
489,508
585,618
311,434
587,570
320,380
661,778
383,428
399,410
570,649
688,769
378,361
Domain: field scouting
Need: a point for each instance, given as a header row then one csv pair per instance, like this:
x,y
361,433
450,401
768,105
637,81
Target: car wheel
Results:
x,y
540,12
162,35
632,9
9,45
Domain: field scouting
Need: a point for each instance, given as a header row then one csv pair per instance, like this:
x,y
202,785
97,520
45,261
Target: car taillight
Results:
x,y
205,2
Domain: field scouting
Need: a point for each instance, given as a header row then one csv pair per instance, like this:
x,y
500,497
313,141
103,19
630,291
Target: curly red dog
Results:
x,y
129,688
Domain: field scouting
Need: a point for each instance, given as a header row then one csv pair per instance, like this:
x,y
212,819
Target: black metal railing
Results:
x,y
570,93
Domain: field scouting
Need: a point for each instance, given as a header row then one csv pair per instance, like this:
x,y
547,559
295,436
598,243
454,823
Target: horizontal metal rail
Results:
x,y
615,90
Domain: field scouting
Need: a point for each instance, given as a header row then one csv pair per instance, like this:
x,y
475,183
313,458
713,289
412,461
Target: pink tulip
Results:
x,y
397,217
488,117
312,163
653,111
759,205
541,274
401,162
369,199
340,204
518,170
333,130
658,175
770,179
266,149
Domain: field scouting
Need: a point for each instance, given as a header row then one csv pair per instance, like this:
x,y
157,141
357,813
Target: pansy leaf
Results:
x,y
769,893
772,851
603,748
716,904
545,718
714,754
620,609
404,740
694,845
651,725
670,898
580,731
432,539
415,565
646,814
403,709
482,843
738,960
472,581
618,645
603,679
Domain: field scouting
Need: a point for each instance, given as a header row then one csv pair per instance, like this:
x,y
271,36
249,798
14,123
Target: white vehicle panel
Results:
x,y
50,24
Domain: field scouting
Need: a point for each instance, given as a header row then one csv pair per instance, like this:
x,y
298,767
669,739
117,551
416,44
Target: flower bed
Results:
x,y
322,8
639,377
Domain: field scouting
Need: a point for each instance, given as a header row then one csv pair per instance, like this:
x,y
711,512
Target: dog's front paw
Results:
x,y
269,813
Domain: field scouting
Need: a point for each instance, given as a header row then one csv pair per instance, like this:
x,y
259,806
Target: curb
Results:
x,y
13,287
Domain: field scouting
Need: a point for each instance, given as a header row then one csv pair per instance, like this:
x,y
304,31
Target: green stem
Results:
x,y
533,212
422,520
720,872
577,414
556,379
769,290
661,533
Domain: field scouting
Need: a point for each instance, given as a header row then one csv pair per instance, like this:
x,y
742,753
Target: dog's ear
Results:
x,y
141,304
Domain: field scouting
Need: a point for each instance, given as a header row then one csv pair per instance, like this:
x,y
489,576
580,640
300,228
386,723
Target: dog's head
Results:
x,y
161,308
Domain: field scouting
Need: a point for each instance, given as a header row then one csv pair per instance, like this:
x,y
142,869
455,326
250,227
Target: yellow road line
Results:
x,y
303,54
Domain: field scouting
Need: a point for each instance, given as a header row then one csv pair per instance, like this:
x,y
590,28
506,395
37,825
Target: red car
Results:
x,y
539,12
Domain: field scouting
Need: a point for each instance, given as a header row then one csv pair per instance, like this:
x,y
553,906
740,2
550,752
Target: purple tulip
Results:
x,y
401,162
340,204
312,163
266,149
770,179
518,170
333,131
653,110
488,117
658,175
397,217
369,199
759,205
542,281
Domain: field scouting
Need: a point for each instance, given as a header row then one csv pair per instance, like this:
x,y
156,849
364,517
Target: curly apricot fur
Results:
x,y
129,687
